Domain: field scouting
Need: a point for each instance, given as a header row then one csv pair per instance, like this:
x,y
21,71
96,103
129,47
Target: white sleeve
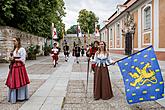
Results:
x,y
110,60
95,58
23,55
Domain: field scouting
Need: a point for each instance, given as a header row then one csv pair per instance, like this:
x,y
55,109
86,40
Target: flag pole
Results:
x,y
87,68
88,37
87,77
77,33
52,35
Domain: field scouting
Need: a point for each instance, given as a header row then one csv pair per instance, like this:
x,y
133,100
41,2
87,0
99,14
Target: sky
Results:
x,y
102,8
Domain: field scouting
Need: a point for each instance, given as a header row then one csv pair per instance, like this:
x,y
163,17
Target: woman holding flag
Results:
x,y
102,85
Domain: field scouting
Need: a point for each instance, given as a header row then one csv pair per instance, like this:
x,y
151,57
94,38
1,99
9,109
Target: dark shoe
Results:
x,y
77,62
96,98
54,65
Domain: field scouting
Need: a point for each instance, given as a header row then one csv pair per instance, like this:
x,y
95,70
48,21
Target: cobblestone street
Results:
x,y
64,88
76,98
38,74
82,55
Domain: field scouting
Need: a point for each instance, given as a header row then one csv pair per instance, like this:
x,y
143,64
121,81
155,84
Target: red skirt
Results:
x,y
55,57
17,76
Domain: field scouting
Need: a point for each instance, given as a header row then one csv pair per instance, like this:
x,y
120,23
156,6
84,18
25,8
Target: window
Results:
x,y
118,31
147,17
147,24
103,37
111,36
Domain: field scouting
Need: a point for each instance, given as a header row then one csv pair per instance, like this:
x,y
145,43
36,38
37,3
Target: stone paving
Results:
x,y
81,66
5,105
41,69
38,74
50,95
64,87
76,98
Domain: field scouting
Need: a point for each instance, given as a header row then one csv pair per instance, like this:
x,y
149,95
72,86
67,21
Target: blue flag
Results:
x,y
142,76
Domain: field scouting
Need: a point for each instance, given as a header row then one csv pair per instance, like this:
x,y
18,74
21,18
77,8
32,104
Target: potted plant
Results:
x,y
33,50
47,50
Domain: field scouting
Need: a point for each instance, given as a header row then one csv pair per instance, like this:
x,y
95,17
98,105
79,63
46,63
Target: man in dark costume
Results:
x,y
82,51
66,51
77,52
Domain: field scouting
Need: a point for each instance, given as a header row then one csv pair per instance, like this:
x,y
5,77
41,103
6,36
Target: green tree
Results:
x,y
33,16
5,11
72,30
87,20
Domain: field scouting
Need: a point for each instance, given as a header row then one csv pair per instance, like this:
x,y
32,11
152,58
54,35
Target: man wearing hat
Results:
x,y
77,52
66,51
54,54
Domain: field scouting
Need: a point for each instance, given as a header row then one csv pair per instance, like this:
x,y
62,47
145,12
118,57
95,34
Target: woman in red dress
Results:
x,y
17,79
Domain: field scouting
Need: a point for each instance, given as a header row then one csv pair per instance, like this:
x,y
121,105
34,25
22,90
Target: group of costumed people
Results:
x,y
18,80
77,51
100,60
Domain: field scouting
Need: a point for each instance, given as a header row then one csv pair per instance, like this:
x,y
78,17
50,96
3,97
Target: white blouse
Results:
x,y
102,59
55,50
21,53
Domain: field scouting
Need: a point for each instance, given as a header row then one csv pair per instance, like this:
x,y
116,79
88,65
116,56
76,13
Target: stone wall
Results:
x,y
6,43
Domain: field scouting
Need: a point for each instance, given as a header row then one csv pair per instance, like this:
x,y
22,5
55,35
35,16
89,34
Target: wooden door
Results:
x,y
128,44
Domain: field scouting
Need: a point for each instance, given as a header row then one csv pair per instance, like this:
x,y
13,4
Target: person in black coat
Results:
x,y
77,52
66,51
82,51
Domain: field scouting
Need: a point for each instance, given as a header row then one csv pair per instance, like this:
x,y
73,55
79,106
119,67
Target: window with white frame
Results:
x,y
118,30
147,24
111,36
147,17
103,36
